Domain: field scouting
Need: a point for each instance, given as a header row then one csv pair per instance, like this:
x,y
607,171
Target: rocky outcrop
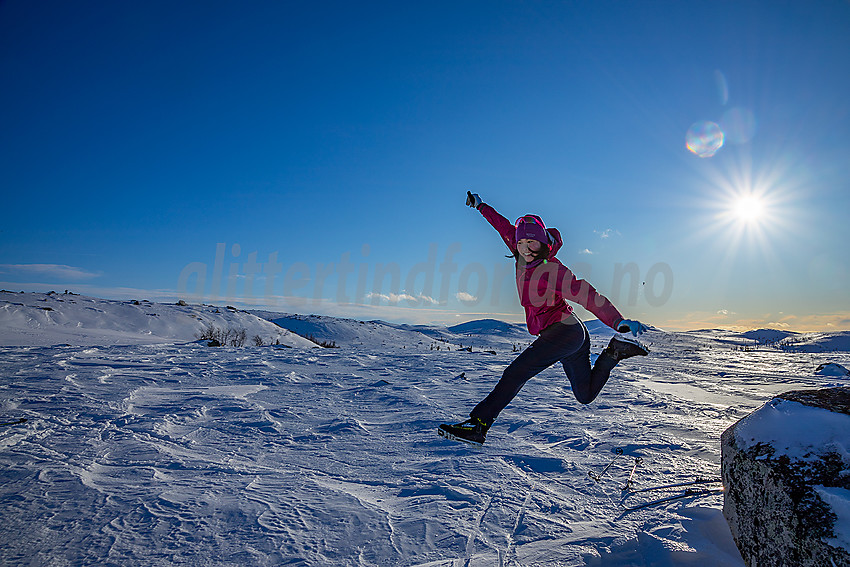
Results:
x,y
786,469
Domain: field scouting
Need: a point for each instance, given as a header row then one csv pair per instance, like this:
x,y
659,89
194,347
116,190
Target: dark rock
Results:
x,y
833,399
772,504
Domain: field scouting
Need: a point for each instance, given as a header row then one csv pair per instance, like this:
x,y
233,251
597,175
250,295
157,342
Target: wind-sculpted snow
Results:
x,y
186,455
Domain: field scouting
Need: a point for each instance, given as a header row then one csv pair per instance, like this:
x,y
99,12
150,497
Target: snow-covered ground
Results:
x,y
182,454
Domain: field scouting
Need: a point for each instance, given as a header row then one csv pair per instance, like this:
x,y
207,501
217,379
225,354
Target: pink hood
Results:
x,y
545,286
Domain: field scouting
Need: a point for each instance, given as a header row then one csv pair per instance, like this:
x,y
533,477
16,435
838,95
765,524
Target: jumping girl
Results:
x,y
544,285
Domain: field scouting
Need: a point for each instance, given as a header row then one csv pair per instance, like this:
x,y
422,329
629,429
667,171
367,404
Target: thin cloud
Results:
x,y
57,271
607,233
394,298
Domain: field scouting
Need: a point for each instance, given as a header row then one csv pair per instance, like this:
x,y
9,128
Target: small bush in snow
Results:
x,y
321,343
232,337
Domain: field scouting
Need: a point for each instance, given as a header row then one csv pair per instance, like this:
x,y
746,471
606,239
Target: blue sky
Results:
x,y
315,157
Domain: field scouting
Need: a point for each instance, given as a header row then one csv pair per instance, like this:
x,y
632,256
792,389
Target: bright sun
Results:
x,y
748,209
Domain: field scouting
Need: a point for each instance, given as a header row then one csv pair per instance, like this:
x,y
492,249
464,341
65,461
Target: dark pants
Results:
x,y
568,343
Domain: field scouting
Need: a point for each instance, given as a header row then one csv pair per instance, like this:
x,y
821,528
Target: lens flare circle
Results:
x,y
704,138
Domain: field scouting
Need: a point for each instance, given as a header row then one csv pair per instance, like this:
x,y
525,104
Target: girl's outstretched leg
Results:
x,y
587,386
577,368
556,342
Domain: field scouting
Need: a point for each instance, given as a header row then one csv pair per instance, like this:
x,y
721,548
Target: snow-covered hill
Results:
x,y
481,334
485,334
490,327
492,334
354,333
43,319
815,342
822,342
838,341
767,335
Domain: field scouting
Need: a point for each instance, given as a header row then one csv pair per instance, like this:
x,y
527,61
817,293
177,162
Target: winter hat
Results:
x,y
531,227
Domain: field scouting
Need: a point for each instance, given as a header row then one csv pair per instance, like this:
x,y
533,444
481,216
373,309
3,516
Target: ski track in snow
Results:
x,y
186,455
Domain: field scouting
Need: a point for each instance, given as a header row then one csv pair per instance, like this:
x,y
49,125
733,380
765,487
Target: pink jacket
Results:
x,y
544,286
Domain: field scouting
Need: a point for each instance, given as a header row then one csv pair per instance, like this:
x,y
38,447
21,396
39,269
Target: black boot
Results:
x,y
621,349
473,430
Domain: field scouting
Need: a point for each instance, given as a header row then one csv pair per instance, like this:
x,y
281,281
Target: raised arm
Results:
x,y
502,225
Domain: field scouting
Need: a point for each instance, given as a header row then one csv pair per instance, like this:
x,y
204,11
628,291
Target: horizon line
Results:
x,y
361,312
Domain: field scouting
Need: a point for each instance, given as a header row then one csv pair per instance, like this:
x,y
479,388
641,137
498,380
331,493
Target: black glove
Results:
x,y
472,200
